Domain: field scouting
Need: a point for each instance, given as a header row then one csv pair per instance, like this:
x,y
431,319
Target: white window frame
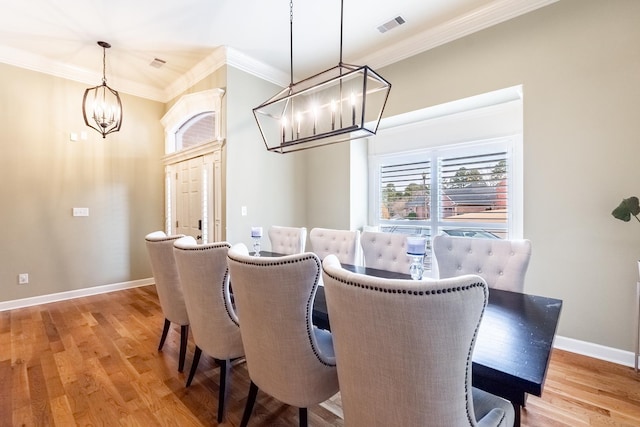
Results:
x,y
435,222
467,125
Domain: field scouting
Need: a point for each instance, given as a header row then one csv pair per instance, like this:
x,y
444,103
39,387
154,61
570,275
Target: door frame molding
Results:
x,y
187,107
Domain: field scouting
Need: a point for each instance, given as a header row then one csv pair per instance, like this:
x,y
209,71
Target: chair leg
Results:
x,y
251,399
184,338
194,365
225,378
302,414
165,330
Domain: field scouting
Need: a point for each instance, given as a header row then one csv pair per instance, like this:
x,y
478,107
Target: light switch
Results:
x,y
244,211
80,211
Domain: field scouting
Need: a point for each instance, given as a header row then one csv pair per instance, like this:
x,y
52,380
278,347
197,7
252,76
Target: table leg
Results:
x,y
517,409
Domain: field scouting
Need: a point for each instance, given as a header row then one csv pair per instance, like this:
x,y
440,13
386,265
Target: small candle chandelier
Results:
x,y
101,105
326,108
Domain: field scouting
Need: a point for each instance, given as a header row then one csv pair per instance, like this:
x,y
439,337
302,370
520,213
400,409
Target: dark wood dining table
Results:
x,y
514,343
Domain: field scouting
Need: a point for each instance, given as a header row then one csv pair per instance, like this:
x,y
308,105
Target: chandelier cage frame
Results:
x,y
101,105
339,104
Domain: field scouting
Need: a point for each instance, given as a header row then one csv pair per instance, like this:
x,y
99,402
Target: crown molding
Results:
x,y
221,56
479,19
42,64
494,13
202,69
259,69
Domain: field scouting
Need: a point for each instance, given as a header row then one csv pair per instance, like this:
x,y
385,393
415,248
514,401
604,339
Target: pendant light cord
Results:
x,y
104,65
291,39
341,24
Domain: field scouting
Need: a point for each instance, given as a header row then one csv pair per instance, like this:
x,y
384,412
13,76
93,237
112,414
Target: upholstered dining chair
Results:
x,y
345,244
165,274
287,357
501,263
385,251
287,240
404,350
204,275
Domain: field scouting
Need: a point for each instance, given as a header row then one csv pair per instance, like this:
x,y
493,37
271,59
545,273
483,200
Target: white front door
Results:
x,y
189,197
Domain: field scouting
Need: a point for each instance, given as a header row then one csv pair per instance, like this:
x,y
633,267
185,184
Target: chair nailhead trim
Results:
x,y
406,291
225,281
164,239
205,247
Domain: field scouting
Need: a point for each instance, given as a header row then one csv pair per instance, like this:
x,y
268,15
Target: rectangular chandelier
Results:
x,y
342,103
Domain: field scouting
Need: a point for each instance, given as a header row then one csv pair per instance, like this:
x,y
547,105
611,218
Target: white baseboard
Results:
x,y
597,351
61,296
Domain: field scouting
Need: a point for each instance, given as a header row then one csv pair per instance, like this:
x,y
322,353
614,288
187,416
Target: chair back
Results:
x,y
501,263
404,347
385,251
286,356
165,274
204,276
345,244
288,240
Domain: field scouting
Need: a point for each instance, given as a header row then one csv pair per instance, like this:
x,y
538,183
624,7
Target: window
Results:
x,y
197,130
462,191
471,188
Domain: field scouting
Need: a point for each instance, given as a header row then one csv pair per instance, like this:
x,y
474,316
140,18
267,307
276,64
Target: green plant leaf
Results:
x,y
626,208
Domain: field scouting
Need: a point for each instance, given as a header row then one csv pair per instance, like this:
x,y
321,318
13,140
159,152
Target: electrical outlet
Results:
x,y
23,278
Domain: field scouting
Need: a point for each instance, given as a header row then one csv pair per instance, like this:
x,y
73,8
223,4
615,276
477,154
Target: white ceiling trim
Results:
x,y
202,69
266,72
496,12
42,64
477,20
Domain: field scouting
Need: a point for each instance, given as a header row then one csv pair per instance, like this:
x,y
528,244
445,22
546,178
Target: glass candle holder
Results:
x,y
416,248
256,235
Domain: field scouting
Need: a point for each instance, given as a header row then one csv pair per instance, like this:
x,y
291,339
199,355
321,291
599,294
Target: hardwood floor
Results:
x,y
94,361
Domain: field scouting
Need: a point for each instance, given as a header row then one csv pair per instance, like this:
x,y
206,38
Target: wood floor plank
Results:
x,y
61,411
94,361
24,417
6,406
39,397
55,388
20,387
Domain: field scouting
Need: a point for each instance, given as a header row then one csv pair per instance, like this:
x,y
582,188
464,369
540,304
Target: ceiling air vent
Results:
x,y
389,25
157,63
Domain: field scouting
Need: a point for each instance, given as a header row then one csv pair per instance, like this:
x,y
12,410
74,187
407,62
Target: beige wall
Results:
x,y
270,185
579,63
44,176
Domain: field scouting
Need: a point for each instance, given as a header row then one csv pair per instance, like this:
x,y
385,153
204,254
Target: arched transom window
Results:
x,y
200,129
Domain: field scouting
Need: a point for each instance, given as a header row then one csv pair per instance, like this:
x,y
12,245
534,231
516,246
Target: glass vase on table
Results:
x,y
256,235
416,248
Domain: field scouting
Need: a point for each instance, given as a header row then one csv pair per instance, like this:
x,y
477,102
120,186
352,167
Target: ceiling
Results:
x,y
196,36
